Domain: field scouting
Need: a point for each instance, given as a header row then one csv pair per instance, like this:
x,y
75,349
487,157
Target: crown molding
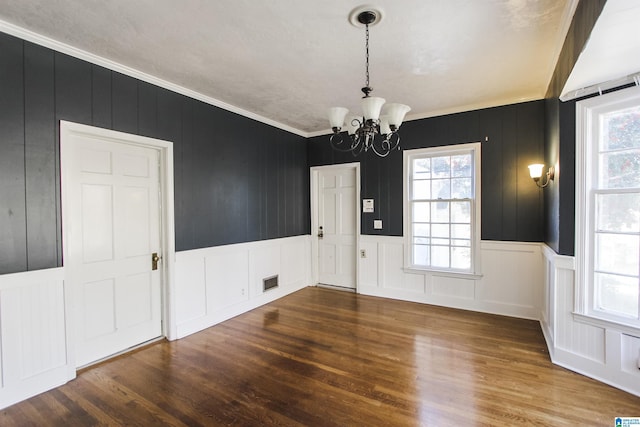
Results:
x,y
50,43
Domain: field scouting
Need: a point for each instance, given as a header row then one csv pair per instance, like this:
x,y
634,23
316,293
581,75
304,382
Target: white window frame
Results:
x,y
408,157
587,132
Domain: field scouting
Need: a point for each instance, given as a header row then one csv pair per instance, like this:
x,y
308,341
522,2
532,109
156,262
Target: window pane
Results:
x,y
618,212
421,212
621,129
440,256
441,188
422,168
421,230
421,189
617,294
461,166
618,253
461,258
461,188
421,240
440,212
441,242
461,231
440,167
461,212
421,255
440,230
620,170
461,242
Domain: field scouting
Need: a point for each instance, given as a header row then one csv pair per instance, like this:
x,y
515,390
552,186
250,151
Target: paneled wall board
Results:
x,y
511,203
630,354
217,283
33,334
236,179
513,291
190,285
13,233
559,136
227,279
595,348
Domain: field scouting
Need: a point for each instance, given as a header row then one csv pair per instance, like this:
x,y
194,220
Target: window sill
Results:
x,y
441,273
607,324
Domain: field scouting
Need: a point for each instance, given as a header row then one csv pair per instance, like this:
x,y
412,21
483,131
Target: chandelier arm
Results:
x,y
394,141
357,150
381,153
338,145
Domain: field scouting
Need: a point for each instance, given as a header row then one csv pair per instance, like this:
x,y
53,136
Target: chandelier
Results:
x,y
371,131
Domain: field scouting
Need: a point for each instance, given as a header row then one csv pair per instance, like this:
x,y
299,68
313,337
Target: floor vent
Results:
x,y
270,282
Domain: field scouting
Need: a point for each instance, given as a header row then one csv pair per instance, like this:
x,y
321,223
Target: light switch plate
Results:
x,y
377,224
367,205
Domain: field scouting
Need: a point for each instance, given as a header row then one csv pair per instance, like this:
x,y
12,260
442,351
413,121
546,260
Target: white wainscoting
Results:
x,y
601,350
215,284
510,283
33,335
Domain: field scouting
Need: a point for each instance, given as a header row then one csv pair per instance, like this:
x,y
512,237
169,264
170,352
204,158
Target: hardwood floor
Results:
x,y
321,357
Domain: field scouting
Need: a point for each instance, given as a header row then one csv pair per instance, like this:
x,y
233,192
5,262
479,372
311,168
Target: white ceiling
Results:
x,y
287,61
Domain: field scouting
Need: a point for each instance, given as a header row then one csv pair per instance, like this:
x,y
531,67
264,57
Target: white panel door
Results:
x,y
112,221
337,219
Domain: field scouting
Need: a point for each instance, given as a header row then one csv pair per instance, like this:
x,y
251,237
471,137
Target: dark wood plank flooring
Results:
x,y
321,357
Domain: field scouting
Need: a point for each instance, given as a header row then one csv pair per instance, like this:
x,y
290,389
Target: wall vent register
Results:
x,y
269,283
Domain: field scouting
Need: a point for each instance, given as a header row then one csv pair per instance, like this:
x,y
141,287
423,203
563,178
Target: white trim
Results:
x,y
455,110
442,273
475,148
41,40
607,324
314,181
165,149
587,130
564,262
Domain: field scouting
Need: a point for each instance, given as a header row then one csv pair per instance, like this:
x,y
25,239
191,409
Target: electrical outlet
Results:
x,y
363,253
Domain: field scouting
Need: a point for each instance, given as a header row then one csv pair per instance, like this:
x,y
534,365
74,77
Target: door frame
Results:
x,y
167,226
315,204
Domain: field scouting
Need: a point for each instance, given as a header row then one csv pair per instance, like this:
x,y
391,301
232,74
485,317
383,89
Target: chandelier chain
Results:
x,y
367,56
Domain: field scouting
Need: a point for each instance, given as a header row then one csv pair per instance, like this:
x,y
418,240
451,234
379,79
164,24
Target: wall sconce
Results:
x,y
535,171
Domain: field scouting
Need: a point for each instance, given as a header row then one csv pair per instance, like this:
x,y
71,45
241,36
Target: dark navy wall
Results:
x,y
236,180
560,134
512,205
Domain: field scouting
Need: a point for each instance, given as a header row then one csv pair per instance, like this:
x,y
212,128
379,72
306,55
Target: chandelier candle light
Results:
x,y
371,131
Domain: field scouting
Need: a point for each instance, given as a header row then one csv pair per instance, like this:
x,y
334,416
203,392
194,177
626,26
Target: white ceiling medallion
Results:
x,y
354,16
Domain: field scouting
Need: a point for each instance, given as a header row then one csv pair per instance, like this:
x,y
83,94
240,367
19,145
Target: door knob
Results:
x,y
154,260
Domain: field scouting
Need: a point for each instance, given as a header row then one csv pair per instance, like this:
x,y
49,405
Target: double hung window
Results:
x,y
441,208
608,206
